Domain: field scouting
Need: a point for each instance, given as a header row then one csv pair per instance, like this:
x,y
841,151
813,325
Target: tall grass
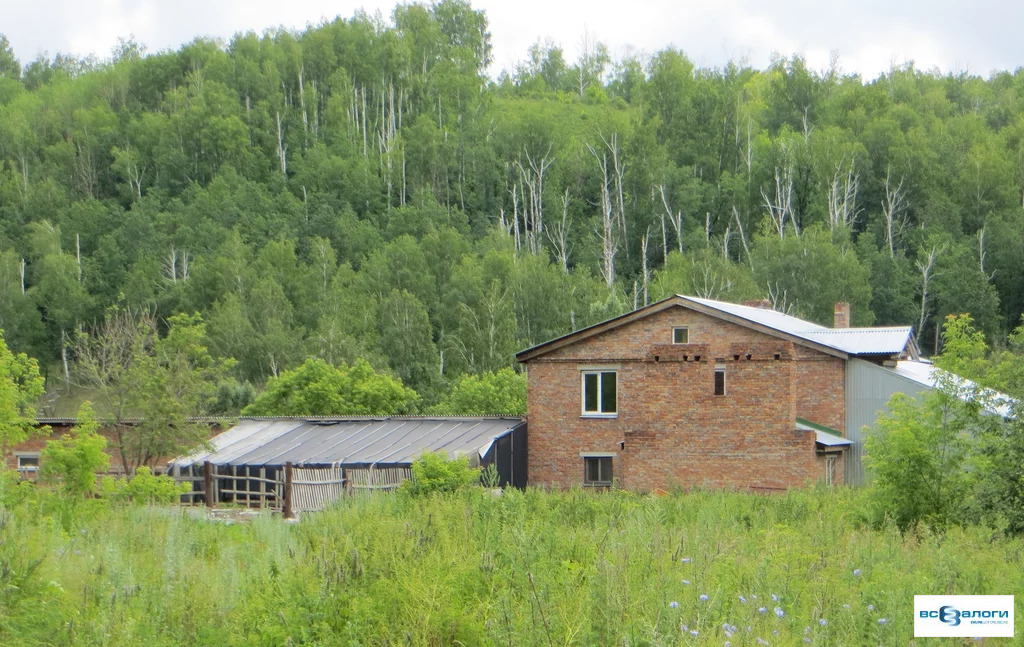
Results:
x,y
526,568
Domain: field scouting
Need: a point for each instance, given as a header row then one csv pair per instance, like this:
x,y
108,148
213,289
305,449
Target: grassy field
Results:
x,y
533,568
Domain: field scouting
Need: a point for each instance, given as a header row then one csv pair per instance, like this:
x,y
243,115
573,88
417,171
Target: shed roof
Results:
x,y
824,436
349,441
841,342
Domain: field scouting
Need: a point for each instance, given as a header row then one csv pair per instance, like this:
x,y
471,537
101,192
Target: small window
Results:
x,y
719,379
681,335
599,393
28,462
597,470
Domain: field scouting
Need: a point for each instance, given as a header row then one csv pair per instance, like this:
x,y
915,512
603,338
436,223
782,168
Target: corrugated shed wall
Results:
x,y
868,388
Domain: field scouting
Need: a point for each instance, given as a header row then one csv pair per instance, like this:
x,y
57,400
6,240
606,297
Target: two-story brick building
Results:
x,y
692,392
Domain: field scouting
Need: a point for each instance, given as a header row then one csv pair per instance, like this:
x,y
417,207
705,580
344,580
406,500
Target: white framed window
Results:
x,y
600,393
28,461
680,335
719,379
597,470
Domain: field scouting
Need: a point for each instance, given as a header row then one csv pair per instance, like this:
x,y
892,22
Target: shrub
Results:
x,y
144,487
435,472
74,459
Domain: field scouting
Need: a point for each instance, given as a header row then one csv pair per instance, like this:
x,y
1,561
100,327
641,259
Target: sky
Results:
x,y
867,37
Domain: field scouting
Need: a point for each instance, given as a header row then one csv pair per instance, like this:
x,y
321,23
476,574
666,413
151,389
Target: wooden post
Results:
x,y
208,485
288,490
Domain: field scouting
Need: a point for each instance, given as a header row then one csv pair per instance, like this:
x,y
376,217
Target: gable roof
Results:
x,y
397,440
839,342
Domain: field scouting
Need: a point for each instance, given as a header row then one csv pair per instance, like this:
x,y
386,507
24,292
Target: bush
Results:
x,y
916,455
435,472
144,487
73,460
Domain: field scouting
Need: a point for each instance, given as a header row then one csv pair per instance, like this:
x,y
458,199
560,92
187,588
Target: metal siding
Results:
x,y
868,388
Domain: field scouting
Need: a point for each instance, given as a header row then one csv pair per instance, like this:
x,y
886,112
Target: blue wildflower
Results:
x,y
703,597
823,622
686,582
883,621
743,599
694,632
762,610
775,598
779,612
686,560
856,572
871,607
673,604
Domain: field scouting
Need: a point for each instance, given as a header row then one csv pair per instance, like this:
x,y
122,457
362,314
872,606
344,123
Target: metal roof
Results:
x,y
842,342
823,435
927,374
855,341
349,441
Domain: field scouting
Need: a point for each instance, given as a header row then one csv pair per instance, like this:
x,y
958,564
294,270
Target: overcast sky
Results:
x,y
868,36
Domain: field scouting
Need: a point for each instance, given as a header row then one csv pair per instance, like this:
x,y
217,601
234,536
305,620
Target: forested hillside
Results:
x,y
366,190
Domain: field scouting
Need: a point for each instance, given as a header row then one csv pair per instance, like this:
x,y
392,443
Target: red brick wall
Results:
x,y
821,388
671,430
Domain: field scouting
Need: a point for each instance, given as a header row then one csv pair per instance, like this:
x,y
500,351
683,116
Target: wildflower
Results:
x,y
694,632
728,634
686,560
761,641
807,630
823,622
762,610
871,607
775,598
673,604
807,640
703,597
846,606
776,632
727,644
743,599
779,612
883,621
686,582
684,627
856,572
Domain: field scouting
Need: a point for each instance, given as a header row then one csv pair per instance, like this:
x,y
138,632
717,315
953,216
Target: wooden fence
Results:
x,y
288,490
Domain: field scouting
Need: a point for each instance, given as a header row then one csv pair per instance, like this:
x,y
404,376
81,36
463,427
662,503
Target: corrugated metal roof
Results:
x,y
353,441
855,341
927,374
823,435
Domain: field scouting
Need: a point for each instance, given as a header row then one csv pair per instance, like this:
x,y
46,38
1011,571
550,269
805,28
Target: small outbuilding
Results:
x,y
260,461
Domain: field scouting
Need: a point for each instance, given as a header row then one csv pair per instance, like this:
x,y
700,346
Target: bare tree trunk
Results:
x,y
609,247
559,235
894,210
781,204
842,198
676,219
646,272
927,270
22,271
78,256
282,148
743,236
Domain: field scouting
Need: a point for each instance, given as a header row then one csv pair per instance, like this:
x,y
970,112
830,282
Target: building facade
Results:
x,y
697,393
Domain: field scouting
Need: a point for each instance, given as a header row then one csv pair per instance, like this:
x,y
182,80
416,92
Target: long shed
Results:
x,y
256,450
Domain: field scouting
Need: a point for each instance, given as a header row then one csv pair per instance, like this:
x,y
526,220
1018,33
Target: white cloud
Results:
x,y
869,37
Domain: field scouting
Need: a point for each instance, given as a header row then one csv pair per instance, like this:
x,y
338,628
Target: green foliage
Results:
x,y
318,389
502,392
601,569
489,476
144,488
916,454
436,472
75,459
20,387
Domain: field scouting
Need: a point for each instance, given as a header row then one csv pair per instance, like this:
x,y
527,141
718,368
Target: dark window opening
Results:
x,y
597,470
28,462
719,380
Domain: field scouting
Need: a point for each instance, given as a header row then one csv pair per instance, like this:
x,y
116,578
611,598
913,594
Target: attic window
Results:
x,y
680,335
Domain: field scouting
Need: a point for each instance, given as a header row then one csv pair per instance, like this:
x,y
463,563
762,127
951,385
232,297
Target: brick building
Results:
x,y
692,392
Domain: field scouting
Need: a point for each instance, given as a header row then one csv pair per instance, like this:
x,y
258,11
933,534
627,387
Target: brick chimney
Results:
x,y
764,304
841,315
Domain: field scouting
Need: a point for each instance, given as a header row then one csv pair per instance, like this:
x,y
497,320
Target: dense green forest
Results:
x,y
366,190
